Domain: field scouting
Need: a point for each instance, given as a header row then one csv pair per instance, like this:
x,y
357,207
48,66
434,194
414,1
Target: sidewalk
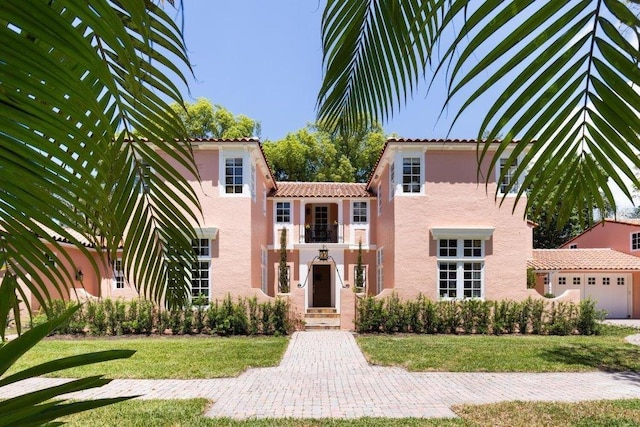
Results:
x,y
324,374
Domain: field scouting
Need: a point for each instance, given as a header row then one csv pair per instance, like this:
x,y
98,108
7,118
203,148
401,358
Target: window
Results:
x,y
635,241
620,281
363,272
380,199
562,281
264,201
411,175
546,279
50,260
508,178
253,182
263,268
283,212
142,179
288,273
200,284
118,274
462,276
392,181
201,247
379,269
576,281
233,175
606,281
574,246
359,211
591,281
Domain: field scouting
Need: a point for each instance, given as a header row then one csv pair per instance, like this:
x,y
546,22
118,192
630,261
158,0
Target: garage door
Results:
x,y
610,291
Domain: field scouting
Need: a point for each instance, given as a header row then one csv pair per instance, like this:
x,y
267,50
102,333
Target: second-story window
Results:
x,y
506,177
635,241
283,212
233,175
118,274
411,175
359,210
380,199
392,181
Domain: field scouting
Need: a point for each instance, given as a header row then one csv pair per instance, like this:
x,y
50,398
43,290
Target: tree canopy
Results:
x,y
562,74
315,154
202,119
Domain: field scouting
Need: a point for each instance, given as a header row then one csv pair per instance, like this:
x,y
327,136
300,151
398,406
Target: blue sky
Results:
x,y
264,59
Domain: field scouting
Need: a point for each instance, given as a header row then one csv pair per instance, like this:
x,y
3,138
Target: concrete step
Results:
x,y
322,315
321,328
315,310
322,322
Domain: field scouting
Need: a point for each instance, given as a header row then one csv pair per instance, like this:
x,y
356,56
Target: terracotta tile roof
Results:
x,y
443,141
582,259
320,189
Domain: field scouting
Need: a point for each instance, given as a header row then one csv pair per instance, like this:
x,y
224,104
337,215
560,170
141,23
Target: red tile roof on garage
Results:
x,y
582,259
320,189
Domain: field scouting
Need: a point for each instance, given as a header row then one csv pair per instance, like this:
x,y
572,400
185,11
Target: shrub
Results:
x,y
588,322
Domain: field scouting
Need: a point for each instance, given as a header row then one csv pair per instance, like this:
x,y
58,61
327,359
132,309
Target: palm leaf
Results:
x,y
562,74
73,76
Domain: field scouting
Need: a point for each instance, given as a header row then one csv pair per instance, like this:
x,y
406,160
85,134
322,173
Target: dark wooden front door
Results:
x,y
321,286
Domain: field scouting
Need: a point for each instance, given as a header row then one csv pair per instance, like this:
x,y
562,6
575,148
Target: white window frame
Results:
x,y
264,200
591,281
392,180
379,270
223,172
635,245
353,212
364,274
606,281
118,274
467,257
275,211
263,269
620,281
562,281
203,265
498,170
253,182
420,175
379,198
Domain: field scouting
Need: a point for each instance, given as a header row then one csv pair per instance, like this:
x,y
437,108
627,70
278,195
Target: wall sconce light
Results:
x,y
323,253
79,275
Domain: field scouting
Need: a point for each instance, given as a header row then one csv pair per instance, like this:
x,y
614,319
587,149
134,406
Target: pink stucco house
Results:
x,y
424,222
603,263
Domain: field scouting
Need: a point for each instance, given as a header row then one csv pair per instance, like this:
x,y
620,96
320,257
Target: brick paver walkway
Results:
x,y
324,374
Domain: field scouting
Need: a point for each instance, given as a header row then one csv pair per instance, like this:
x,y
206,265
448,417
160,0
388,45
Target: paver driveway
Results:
x,y
324,374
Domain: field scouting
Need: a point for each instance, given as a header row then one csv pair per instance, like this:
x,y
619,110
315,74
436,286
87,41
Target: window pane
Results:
x,y
448,279
411,174
233,175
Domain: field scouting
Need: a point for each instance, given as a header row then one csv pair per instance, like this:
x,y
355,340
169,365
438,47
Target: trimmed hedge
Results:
x,y
244,316
423,316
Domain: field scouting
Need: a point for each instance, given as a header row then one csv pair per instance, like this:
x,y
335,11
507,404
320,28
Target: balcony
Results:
x,y
323,233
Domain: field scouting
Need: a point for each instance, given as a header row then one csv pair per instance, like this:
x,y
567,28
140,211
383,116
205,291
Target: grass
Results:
x,y
526,414
163,357
508,353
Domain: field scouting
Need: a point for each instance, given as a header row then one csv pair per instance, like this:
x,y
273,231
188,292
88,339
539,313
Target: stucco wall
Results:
x,y
453,199
612,235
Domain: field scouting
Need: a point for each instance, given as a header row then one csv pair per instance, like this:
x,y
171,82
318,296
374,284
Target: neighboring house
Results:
x,y
610,277
621,235
424,222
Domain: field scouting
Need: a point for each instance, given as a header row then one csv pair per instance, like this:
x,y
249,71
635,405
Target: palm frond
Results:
x,y
570,76
375,53
75,79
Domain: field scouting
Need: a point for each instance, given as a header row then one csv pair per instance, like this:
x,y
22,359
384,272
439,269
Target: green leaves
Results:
x,y
75,79
557,77
36,408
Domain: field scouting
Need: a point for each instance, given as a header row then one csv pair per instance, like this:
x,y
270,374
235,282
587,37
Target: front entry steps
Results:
x,y
321,318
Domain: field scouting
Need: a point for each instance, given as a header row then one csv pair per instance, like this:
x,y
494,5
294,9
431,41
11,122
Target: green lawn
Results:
x,y
164,357
508,353
177,413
